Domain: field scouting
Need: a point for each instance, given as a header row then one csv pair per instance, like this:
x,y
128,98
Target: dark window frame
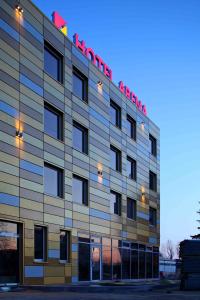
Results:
x,y
118,163
118,201
133,127
84,137
152,216
152,181
132,215
153,142
118,121
59,114
48,47
68,246
85,194
60,172
45,238
133,168
84,80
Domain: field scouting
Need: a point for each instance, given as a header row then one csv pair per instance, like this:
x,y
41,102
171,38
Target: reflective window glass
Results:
x,y
40,242
80,190
53,180
64,245
84,261
52,122
53,62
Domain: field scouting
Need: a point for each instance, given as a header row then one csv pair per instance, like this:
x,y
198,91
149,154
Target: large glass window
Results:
x,y
115,159
106,259
153,145
84,261
152,216
10,252
80,138
131,168
53,180
53,122
80,190
149,265
141,264
64,245
152,181
40,240
115,204
53,62
115,114
131,127
80,85
134,264
156,264
131,209
116,260
126,263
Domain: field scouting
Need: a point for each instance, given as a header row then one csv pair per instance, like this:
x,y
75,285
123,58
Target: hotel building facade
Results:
x,y
79,162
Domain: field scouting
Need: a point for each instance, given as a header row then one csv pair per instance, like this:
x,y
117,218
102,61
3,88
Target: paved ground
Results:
x,y
152,291
161,295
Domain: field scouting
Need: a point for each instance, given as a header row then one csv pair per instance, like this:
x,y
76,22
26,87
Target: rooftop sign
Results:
x,y
60,23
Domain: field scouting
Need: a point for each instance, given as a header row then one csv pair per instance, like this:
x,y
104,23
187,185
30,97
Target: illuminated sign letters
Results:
x,y
60,23
131,96
89,53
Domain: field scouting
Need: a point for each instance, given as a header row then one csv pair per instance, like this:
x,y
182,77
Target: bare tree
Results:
x,y
170,249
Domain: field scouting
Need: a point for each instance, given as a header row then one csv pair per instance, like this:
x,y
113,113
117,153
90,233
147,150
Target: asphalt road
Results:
x,y
147,295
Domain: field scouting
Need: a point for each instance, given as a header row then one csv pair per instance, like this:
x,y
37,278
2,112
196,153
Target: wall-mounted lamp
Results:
x,y
19,134
100,83
100,173
142,123
143,194
19,9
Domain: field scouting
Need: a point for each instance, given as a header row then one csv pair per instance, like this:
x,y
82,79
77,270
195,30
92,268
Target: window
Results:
x,y
131,127
131,209
115,159
64,245
115,114
80,85
153,146
80,138
53,62
80,190
53,180
115,204
152,216
152,181
53,122
40,243
131,168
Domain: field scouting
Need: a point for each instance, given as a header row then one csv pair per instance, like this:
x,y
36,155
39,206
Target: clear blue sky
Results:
x,y
154,47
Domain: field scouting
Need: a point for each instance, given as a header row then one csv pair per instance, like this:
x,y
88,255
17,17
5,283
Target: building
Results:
x,y
168,268
79,161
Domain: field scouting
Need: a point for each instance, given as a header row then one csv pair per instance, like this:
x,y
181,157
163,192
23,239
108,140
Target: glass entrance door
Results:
x,y
9,252
95,263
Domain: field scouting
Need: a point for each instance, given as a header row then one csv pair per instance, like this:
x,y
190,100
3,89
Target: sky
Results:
x,y
154,47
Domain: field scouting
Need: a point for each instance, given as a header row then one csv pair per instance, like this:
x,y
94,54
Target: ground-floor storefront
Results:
x,y
110,259
92,258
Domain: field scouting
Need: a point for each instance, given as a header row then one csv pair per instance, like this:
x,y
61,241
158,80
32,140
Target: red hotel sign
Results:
x,y
98,61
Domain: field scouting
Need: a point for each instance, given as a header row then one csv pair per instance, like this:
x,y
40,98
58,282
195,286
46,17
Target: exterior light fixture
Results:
x,y
19,9
143,194
142,123
100,83
19,134
100,173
